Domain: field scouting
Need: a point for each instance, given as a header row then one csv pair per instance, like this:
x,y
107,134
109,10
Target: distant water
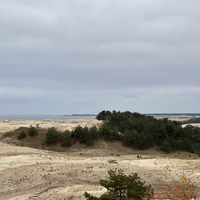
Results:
x,y
42,117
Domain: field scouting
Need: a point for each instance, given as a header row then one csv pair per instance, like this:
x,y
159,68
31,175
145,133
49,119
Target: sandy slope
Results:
x,y
62,125
27,173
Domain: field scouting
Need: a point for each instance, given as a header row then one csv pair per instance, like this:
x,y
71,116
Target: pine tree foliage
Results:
x,y
144,131
121,187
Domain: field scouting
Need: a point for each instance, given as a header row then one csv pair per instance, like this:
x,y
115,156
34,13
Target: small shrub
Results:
x,y
52,136
81,134
65,139
184,189
32,131
94,133
21,135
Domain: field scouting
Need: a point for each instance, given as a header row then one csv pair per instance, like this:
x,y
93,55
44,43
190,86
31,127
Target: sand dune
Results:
x,y
28,173
62,125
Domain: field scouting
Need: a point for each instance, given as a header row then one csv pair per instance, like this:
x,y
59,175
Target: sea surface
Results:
x,y
42,117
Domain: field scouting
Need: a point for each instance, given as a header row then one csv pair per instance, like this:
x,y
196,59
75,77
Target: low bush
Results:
x,y
66,139
184,189
21,135
32,131
85,135
52,136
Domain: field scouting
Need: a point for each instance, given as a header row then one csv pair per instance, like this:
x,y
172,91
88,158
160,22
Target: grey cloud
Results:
x,y
110,77
71,51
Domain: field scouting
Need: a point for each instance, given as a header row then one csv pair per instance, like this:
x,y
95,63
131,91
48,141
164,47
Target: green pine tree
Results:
x,y
121,187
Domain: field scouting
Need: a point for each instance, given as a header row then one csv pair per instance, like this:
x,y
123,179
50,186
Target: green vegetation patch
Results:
x,y
21,135
121,186
134,130
143,131
32,131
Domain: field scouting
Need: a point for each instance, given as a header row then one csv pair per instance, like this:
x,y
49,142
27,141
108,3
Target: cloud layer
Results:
x,y
64,57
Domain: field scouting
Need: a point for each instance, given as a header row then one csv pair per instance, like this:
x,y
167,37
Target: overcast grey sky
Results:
x,y
85,56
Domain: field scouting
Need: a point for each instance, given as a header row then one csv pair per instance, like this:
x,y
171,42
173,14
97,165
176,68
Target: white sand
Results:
x,y
62,125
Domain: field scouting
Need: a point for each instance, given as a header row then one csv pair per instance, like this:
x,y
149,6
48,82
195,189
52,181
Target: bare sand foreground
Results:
x,y
27,173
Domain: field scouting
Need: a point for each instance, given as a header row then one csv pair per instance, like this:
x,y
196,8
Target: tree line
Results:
x,y
141,131
84,135
135,130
